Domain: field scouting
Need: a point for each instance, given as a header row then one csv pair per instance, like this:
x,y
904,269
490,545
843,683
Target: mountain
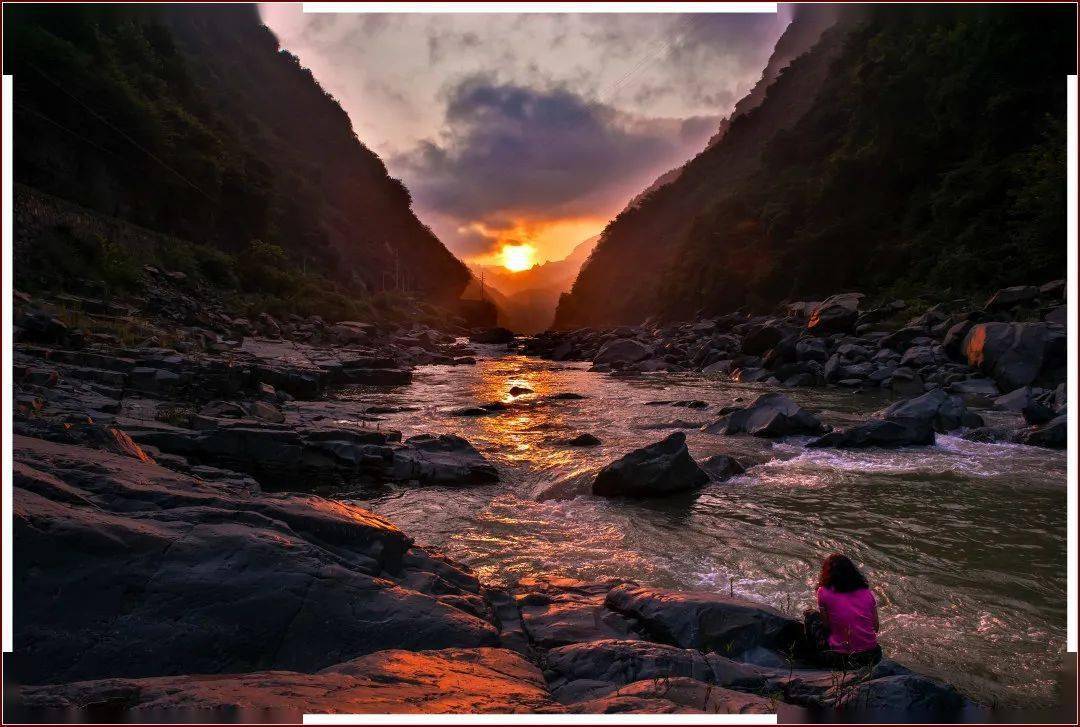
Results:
x,y
191,120
912,150
527,299
808,23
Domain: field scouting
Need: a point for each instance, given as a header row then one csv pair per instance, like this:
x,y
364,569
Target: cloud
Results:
x,y
510,151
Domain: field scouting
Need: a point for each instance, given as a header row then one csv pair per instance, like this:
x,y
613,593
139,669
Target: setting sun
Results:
x,y
518,257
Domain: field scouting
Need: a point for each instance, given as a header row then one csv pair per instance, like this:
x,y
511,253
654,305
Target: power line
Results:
x,y
645,60
120,131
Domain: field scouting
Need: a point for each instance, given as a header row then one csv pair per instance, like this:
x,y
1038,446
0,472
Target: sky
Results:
x,y
529,129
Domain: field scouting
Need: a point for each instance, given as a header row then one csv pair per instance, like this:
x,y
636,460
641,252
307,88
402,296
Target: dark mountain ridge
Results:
x,y
192,121
912,151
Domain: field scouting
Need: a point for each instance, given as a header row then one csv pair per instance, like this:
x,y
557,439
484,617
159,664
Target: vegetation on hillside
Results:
x,y
931,162
190,120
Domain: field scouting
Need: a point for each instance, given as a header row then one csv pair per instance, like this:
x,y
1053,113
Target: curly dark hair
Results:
x,y
841,575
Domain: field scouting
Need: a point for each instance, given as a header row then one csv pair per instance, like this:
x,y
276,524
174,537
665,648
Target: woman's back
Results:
x,y
851,619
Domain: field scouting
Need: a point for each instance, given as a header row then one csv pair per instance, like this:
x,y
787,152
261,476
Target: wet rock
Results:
x,y
939,410
580,669
1015,354
1053,434
687,403
496,335
565,395
705,621
208,578
1008,298
519,390
446,459
878,433
771,415
720,467
673,695
445,681
902,697
583,440
622,350
837,314
974,388
655,470
559,611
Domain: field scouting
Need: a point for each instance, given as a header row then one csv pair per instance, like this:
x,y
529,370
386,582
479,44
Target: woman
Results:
x,y
843,631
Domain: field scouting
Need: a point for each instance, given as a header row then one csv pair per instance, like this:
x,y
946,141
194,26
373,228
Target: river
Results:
x,y
963,542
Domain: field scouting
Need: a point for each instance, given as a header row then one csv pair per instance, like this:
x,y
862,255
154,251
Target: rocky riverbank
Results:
x,y
1008,354
150,489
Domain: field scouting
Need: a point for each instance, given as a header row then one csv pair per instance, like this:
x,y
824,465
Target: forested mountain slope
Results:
x,y
190,120
913,150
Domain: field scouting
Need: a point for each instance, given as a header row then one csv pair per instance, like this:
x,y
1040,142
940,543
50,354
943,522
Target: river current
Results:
x,y
963,542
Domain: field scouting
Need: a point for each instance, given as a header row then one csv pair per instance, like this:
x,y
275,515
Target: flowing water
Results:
x,y
964,543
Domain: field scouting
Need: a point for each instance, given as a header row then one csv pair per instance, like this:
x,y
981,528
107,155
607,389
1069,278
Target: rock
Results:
x,y
1015,354
718,367
953,344
1018,399
761,339
673,695
622,350
497,334
577,669
1055,289
519,390
878,433
446,459
705,621
835,315
207,578
974,388
565,395
445,681
1008,298
904,697
655,470
1058,315
935,408
266,412
811,349
1053,434
352,331
771,415
559,611
720,467
905,382
582,440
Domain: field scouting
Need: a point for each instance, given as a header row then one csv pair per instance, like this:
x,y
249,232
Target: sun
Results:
x,y
517,257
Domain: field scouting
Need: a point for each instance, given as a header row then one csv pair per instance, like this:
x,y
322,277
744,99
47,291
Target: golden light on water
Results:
x,y
518,257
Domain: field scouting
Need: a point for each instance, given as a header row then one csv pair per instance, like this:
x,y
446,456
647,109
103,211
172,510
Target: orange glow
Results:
x,y
518,257
550,239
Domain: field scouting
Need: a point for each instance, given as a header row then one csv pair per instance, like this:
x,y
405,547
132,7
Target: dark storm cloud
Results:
x,y
511,151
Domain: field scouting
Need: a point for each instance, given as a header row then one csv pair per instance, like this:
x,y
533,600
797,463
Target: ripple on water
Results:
x,y
964,541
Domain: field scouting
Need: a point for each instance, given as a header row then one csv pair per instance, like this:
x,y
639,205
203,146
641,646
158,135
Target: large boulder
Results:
x,y
622,350
943,412
672,695
658,469
498,334
559,611
444,459
705,621
175,575
578,669
885,433
1015,354
1007,298
771,415
446,681
837,314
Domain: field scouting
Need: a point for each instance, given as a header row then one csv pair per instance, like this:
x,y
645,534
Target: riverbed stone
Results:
x,y
174,575
658,469
704,620
445,681
771,415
